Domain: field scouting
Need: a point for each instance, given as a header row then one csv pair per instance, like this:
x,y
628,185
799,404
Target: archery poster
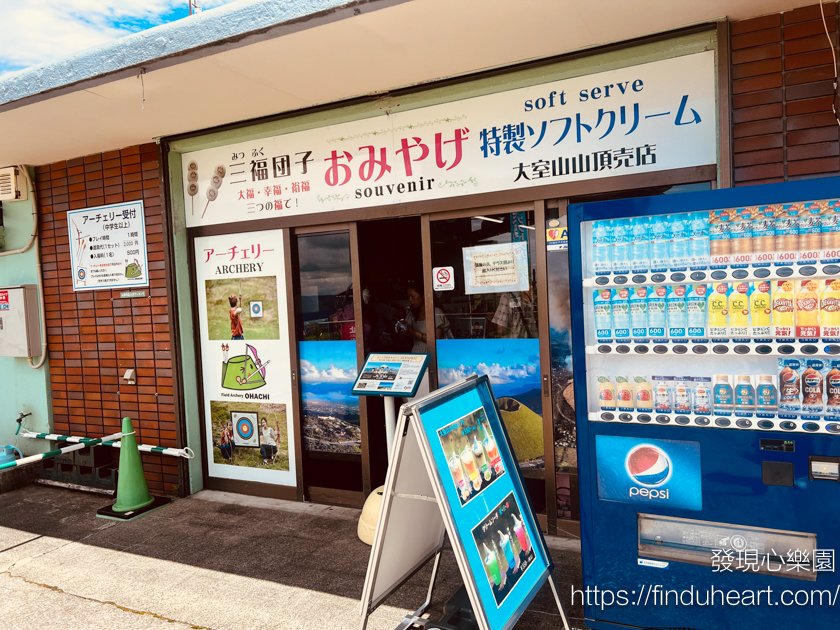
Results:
x,y
245,359
108,247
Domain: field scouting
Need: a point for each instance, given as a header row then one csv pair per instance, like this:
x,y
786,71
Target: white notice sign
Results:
x,y
496,268
108,247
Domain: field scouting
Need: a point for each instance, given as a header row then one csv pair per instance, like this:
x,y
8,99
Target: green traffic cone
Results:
x,y
132,491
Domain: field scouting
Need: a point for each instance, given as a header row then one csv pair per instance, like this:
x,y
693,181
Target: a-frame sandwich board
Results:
x,y
453,472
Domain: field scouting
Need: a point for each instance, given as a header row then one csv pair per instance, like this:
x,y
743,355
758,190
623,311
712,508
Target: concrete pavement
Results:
x,y
213,560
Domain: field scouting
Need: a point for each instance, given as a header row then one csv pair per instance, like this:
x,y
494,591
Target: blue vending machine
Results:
x,y
706,336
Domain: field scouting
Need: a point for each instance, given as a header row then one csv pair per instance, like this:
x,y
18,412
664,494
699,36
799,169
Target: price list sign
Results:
x,y
108,247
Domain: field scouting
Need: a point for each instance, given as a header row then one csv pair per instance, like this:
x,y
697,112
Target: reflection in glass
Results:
x,y
492,312
326,288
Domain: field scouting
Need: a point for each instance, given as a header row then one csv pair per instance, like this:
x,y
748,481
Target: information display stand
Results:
x,y
390,375
454,472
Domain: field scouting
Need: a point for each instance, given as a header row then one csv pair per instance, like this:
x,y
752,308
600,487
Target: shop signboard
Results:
x,y
245,360
640,119
388,374
108,247
453,473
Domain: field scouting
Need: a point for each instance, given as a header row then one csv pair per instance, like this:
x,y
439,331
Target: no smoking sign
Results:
x,y
444,278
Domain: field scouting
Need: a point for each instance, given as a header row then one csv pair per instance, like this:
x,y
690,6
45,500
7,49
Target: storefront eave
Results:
x,y
405,44
476,204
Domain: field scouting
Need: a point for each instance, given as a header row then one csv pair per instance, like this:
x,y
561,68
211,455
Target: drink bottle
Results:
x,y
639,313
602,303
741,237
702,395
621,246
695,308
719,243
810,227
723,395
698,245
676,312
639,245
807,305
621,314
602,247
830,311
783,310
787,233
660,242
764,235
830,233
662,394
766,396
657,318
739,311
680,234
606,394
744,396
760,311
718,310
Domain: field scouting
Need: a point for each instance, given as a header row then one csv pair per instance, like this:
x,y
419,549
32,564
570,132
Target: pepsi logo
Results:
x,y
813,380
648,465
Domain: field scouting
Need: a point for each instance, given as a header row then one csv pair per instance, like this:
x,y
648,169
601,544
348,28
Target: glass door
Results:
x,y
325,330
487,321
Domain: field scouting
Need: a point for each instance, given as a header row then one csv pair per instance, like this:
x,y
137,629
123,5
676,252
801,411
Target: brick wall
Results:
x,y
94,336
782,76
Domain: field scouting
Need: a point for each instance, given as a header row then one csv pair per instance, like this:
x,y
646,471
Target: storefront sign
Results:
x,y
444,278
245,359
496,268
651,117
391,375
108,247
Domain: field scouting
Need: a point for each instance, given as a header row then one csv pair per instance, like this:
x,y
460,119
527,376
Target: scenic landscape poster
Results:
x,y
513,368
330,411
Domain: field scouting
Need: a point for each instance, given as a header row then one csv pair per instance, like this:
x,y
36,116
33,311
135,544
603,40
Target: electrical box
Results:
x,y
20,333
12,186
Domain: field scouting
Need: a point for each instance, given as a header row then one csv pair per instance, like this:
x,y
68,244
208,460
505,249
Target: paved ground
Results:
x,y
214,560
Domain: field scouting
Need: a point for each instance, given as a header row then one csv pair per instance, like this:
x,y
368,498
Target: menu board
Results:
x,y
493,520
391,375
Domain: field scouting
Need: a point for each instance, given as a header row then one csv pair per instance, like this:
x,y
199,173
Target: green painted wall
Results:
x,y
21,387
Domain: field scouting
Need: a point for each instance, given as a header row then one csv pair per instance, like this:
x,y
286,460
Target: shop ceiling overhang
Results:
x,y
258,58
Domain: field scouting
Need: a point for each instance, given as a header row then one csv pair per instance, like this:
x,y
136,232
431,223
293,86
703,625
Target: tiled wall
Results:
x,y
94,336
782,75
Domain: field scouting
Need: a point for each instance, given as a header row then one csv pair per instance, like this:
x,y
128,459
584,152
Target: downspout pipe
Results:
x,y
33,240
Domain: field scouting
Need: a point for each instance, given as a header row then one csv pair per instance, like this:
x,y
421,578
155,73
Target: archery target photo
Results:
x,y
252,435
245,428
257,297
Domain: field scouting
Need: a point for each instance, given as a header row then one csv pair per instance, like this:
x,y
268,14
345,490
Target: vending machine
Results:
x,y
706,340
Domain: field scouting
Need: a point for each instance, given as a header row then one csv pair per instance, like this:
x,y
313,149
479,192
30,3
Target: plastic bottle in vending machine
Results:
x,y
766,396
719,245
830,233
702,395
639,313
764,235
624,398
790,388
698,245
832,390
783,311
639,245
741,236
739,311
830,311
660,242
621,314
680,235
602,247
657,319
695,308
643,393
813,388
787,234
760,311
602,303
662,394
719,311
621,246
807,304
810,227
723,400
744,395
676,313
606,394
682,394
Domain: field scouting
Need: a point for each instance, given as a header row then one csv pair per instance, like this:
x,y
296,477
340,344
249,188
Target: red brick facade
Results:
x,y
782,76
94,336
